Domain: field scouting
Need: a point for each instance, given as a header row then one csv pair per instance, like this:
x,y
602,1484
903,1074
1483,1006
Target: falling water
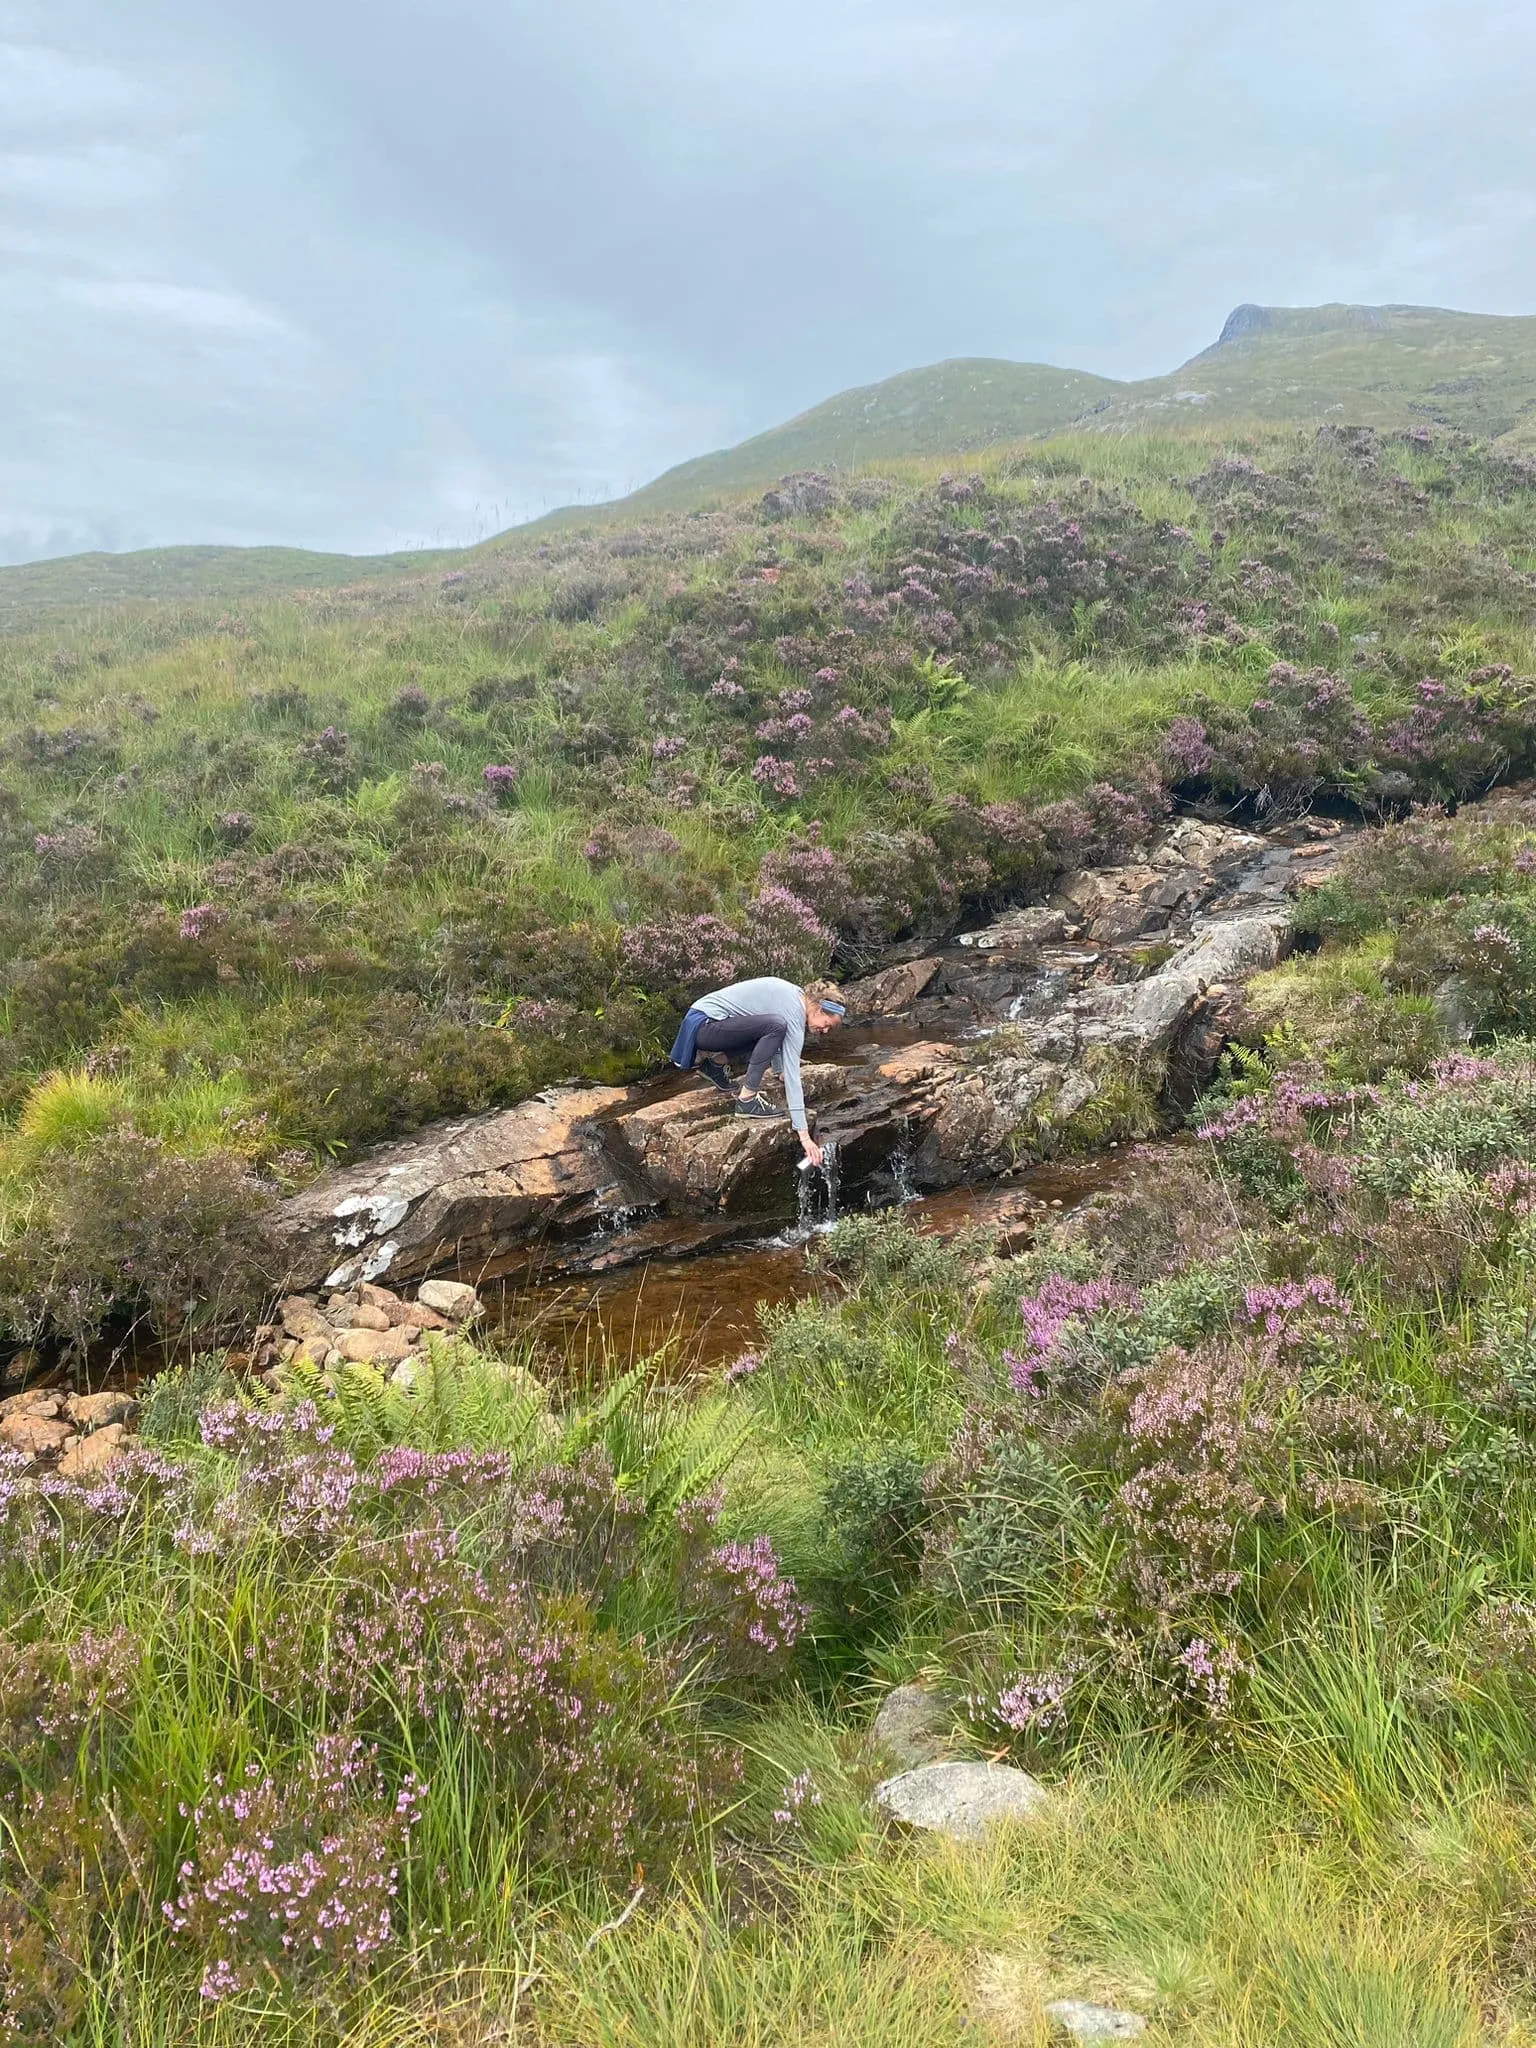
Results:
x,y
816,1192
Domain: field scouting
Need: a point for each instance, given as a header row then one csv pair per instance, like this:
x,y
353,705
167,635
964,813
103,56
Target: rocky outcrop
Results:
x,y
79,1433
1119,989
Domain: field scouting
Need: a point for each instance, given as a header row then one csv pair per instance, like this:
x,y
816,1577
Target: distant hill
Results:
x,y
1376,366
1381,366
189,575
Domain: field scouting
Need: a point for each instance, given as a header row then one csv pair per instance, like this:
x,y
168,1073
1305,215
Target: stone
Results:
x,y
1019,930
98,1411
42,1402
406,1373
302,1318
20,1367
36,1436
1087,2022
315,1350
961,1800
372,1347
379,1297
1458,1008
363,1317
893,990
471,1188
912,1725
88,1455
455,1299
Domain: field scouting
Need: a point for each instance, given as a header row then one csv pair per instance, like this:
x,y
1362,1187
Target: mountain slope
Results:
x,y
1381,366
971,402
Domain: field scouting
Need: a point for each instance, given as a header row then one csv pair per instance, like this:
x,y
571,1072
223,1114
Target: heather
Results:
x,y
286,880
342,1707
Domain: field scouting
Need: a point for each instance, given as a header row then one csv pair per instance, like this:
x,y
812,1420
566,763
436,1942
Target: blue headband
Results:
x,y
833,1009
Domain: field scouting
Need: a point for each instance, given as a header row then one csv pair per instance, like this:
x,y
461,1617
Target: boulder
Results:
x,y
363,1317
302,1319
99,1411
893,990
911,1726
88,1455
468,1189
1086,2022
454,1299
1019,930
961,1800
19,1367
35,1436
44,1402
372,1347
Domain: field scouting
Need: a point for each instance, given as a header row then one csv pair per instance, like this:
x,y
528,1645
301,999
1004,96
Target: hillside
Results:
x,y
1380,366
396,1670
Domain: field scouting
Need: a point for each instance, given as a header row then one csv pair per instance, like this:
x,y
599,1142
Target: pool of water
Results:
x,y
706,1309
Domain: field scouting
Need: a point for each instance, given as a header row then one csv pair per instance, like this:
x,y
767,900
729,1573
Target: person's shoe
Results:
x,y
754,1105
716,1074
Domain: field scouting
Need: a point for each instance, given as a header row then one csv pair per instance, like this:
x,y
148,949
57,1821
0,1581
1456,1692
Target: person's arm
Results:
x,y
794,1092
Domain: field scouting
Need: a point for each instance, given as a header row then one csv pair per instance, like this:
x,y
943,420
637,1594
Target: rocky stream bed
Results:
x,y
628,1218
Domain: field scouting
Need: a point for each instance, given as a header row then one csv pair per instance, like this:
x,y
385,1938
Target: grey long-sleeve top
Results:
x,y
768,996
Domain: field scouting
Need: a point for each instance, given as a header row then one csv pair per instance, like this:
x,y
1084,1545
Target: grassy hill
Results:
x,y
191,575
1379,366
532,1705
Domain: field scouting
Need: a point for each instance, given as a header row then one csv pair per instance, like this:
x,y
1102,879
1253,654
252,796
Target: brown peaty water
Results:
x,y
706,1310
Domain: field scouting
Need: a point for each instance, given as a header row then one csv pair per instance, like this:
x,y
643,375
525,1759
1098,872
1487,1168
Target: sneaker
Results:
x,y
717,1075
754,1105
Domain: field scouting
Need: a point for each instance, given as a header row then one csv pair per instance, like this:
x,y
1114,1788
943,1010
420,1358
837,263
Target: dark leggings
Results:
x,y
765,1035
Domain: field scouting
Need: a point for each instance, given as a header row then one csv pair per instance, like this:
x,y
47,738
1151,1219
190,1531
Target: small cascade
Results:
x,y
816,1192
899,1167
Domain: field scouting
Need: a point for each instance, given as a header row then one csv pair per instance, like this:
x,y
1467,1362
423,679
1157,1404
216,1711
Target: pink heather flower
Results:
x,y
727,686
667,748
500,777
1284,1310
776,774
1046,1315
201,919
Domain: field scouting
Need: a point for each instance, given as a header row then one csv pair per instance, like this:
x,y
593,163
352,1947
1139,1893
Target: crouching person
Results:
x,y
765,1021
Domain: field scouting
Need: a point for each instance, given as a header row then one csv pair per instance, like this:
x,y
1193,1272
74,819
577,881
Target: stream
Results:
x,y
705,1309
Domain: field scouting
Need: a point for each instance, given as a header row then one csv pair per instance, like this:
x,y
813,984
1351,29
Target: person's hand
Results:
x,y
811,1149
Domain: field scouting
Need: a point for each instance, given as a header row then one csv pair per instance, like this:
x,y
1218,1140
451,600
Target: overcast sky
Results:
x,y
370,273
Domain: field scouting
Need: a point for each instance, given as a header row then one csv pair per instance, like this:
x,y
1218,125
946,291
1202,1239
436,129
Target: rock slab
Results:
x,y
961,1800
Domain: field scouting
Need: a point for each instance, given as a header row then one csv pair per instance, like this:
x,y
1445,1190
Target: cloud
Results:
x,y
351,275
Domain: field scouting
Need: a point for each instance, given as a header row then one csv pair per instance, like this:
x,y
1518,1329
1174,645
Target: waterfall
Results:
x,y
816,1192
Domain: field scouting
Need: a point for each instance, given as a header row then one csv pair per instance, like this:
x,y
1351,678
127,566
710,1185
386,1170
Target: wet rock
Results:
x,y
372,1347
99,1411
1086,2022
893,990
88,1455
35,1436
454,1299
961,1800
912,1725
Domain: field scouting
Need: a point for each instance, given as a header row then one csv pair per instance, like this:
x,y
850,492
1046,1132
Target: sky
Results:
x,y
369,274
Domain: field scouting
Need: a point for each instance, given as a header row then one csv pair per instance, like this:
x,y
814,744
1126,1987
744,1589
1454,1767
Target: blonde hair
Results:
x,y
825,992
